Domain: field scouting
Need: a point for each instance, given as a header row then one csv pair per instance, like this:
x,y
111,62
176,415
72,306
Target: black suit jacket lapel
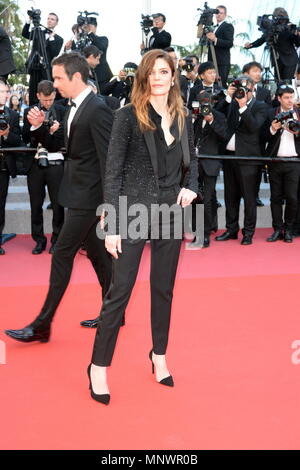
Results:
x,y
77,116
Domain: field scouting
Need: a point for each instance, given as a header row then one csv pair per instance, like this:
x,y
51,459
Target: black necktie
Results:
x,y
72,103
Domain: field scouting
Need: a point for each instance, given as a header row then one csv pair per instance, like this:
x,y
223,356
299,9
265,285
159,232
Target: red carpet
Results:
x,y
235,318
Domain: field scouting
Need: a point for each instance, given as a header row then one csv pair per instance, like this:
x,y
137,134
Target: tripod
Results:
x,y
37,65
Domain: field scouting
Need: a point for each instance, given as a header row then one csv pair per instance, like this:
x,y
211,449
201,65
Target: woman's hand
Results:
x,y
113,245
186,197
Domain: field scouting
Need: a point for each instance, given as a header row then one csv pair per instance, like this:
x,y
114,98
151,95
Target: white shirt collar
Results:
x,y
219,24
81,97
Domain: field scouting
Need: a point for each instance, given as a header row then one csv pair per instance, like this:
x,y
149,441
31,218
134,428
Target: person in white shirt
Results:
x,y
283,141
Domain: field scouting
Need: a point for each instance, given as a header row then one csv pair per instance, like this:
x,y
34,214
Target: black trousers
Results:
x,y
224,72
240,182
164,261
210,201
4,181
79,227
284,182
37,180
287,72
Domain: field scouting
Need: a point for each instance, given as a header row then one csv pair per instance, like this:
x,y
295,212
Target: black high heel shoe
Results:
x,y
167,380
104,398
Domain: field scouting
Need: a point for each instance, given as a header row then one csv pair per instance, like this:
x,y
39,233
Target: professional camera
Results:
x,y
3,120
49,118
206,18
275,24
241,87
288,122
204,104
188,65
83,20
146,23
130,74
35,15
42,157
83,17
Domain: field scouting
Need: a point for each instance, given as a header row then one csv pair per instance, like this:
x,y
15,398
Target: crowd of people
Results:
x,y
158,134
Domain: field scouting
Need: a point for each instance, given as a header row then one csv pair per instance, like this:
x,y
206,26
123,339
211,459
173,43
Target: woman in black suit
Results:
x,y
151,143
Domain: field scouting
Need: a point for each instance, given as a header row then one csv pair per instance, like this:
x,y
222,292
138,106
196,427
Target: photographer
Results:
x,y
189,76
93,57
283,140
245,117
160,39
254,71
46,167
284,37
210,128
10,136
121,86
102,70
7,65
53,44
208,75
222,38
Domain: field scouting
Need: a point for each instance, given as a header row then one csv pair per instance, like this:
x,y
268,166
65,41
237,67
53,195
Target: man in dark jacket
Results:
x,y
88,125
245,117
209,130
7,65
10,136
284,43
284,175
160,39
222,40
51,172
53,43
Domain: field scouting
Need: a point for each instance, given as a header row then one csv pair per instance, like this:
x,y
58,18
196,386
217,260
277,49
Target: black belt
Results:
x,y
55,162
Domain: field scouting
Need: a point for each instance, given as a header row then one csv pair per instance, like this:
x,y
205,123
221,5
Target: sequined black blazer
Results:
x,y
131,166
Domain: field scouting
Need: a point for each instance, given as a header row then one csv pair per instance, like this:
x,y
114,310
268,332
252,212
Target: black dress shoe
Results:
x,y
226,236
288,236
52,248
2,251
30,334
39,248
206,242
247,240
94,323
259,202
276,235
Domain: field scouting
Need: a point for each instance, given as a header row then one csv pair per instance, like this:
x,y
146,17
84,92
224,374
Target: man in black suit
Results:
x,y
284,176
208,75
188,78
284,46
9,137
53,44
7,65
209,131
254,71
245,117
51,173
88,125
222,40
102,70
160,39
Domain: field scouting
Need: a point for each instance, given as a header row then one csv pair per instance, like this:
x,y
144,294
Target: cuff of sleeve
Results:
x,y
272,131
228,99
33,128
